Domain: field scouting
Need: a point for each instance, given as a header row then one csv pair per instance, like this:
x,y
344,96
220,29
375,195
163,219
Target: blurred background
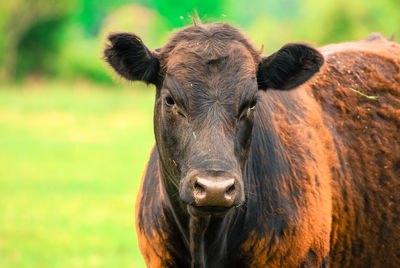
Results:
x,y
74,137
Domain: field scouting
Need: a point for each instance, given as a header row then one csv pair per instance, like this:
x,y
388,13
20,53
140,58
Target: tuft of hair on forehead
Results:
x,y
196,19
210,38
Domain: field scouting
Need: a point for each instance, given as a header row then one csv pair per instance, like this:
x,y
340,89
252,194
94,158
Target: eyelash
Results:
x,y
253,104
250,107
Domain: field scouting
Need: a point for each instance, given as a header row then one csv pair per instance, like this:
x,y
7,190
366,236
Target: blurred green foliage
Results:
x,y
21,18
39,47
179,12
64,39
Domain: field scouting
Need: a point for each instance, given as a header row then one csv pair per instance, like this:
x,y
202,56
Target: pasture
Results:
x,y
71,159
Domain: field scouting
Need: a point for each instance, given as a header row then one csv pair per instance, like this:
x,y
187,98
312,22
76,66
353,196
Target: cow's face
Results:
x,y
204,118
207,80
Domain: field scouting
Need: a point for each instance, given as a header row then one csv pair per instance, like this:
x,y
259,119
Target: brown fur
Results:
x,y
350,186
321,176
366,133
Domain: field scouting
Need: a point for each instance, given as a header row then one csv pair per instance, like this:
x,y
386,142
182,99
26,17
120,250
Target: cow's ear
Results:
x,y
129,57
289,67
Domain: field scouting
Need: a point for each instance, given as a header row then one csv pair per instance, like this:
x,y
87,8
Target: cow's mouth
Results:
x,y
207,210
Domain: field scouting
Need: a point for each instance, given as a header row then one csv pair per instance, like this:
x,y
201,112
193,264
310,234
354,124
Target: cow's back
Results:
x,y
359,92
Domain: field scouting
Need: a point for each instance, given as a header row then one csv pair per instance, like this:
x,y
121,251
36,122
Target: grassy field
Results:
x,y
71,159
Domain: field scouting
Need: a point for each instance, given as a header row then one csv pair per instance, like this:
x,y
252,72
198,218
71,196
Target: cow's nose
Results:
x,y
214,192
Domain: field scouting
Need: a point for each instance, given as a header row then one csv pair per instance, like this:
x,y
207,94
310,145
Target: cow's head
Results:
x,y
207,79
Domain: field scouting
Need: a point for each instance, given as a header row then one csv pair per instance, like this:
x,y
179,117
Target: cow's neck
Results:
x,y
176,207
197,227
193,229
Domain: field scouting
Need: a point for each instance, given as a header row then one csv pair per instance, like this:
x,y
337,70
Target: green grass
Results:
x,y
364,95
71,159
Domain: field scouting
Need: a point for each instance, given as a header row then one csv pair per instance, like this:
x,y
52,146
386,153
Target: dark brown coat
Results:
x,y
316,169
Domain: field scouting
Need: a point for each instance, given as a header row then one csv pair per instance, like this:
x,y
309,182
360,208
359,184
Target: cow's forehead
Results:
x,y
193,50
209,61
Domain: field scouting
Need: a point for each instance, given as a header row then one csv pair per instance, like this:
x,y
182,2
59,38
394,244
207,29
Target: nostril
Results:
x,y
198,187
199,190
230,191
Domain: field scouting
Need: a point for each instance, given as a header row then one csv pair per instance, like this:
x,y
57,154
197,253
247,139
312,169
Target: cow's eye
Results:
x,y
253,104
169,101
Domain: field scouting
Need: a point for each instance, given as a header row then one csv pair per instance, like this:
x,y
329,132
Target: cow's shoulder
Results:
x,y
148,208
159,236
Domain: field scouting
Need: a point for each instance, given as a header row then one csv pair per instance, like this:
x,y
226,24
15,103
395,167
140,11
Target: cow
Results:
x,y
287,160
